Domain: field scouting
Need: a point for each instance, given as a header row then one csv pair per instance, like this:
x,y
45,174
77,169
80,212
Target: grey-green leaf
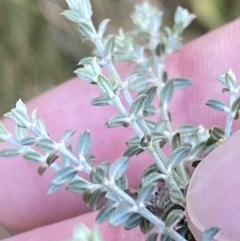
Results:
x,y
209,233
118,168
65,174
85,7
105,212
67,135
176,141
45,144
32,156
120,215
97,175
105,85
28,141
102,100
167,92
180,83
86,74
79,185
174,217
138,104
187,130
9,152
216,104
146,191
118,120
72,15
109,46
132,151
84,143
52,157
133,221
178,155
102,27
86,30
152,236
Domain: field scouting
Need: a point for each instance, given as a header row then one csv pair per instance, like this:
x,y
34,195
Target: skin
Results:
x,y
213,194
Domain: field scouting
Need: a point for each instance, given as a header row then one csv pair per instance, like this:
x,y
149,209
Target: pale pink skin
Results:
x,y
213,197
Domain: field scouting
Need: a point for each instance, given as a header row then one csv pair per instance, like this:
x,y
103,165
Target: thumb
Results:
x,y
213,195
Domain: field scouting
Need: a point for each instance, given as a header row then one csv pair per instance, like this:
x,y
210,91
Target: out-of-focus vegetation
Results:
x,y
39,48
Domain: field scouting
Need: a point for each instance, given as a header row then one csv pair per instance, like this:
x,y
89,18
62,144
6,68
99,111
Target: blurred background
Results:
x,y
39,48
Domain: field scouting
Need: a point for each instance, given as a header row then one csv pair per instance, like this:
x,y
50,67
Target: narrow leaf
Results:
x,y
138,104
9,152
118,168
79,185
67,135
120,215
109,46
146,191
97,175
167,92
84,143
105,212
209,233
102,100
102,27
32,156
133,221
174,217
65,174
118,120
45,144
216,104
178,155
152,236
180,83
105,85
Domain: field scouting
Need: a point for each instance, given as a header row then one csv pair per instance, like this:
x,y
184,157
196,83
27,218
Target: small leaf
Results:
x,y
145,225
32,156
174,218
150,93
118,168
102,27
133,221
176,196
161,126
209,233
97,174
41,170
133,141
105,212
21,132
180,83
53,188
176,141
84,143
28,141
187,130
217,133
79,185
85,7
19,117
9,152
86,74
109,46
230,80
86,29
236,105
45,144
167,92
90,158
216,104
105,85
146,191
157,137
132,151
72,15
67,135
178,155
122,182
118,120
21,106
152,236
65,174
138,104
102,100
120,215
96,197
153,177
52,157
